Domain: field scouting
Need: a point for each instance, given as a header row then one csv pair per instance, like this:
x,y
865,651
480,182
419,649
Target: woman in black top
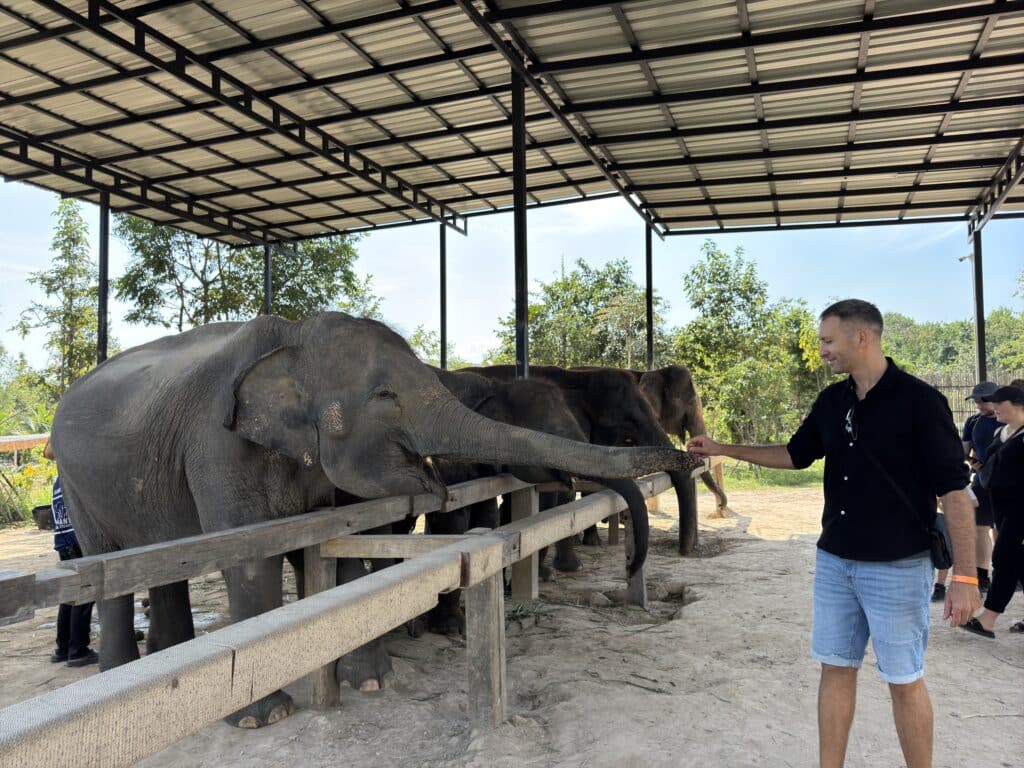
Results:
x,y
1006,487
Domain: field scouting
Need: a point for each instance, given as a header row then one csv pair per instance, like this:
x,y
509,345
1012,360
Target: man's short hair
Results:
x,y
857,311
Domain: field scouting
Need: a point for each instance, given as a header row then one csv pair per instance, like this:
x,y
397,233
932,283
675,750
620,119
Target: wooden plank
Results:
x,y
482,556
10,443
319,574
485,653
386,545
613,530
636,585
171,694
16,600
525,506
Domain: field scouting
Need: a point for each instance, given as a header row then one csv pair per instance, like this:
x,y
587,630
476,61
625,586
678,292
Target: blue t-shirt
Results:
x,y
979,430
63,532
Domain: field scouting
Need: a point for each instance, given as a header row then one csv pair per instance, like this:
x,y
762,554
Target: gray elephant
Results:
x,y
236,423
611,410
677,404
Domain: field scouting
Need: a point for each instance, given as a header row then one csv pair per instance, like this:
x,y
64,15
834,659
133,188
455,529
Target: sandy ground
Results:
x,y
716,676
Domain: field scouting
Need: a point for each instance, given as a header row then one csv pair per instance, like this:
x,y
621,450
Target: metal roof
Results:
x,y
285,119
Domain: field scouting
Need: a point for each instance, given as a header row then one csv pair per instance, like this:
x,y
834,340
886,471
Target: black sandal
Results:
x,y
1018,627
974,626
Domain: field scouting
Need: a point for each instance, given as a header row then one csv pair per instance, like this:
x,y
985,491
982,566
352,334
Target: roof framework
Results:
x,y
287,119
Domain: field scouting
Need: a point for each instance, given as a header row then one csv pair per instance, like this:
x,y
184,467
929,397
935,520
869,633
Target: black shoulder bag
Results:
x,y
938,534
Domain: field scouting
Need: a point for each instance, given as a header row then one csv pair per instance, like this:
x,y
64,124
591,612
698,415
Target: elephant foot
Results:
x,y
416,627
591,538
567,562
267,711
544,572
365,669
447,622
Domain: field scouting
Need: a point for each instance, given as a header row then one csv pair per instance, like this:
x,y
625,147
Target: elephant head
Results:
x,y
348,396
674,398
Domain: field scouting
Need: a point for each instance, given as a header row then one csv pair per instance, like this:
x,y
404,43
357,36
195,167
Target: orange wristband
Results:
x,y
965,579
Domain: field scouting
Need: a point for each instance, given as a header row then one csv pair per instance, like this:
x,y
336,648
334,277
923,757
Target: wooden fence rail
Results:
x,y
169,695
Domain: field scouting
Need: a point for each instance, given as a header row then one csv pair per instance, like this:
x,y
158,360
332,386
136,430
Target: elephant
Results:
x,y
677,404
538,405
611,410
241,422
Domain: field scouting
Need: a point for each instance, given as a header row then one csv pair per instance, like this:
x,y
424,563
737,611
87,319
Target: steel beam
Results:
x,y
830,211
833,225
104,278
977,274
784,37
519,225
805,151
999,189
520,67
268,287
795,85
255,106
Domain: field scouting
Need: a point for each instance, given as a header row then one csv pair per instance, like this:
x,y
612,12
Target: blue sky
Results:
x,y
915,269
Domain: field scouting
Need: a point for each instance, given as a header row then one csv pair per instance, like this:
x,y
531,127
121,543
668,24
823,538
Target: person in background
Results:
x,y
73,621
890,448
978,431
1006,485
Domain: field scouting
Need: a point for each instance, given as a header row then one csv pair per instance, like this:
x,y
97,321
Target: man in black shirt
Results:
x,y
890,448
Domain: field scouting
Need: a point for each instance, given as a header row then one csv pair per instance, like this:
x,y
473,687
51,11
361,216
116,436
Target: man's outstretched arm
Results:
x,y
776,456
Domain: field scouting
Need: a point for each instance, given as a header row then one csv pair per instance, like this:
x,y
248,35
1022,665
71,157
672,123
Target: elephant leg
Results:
x,y
591,538
447,618
484,514
367,668
170,616
117,632
255,588
566,559
686,493
708,478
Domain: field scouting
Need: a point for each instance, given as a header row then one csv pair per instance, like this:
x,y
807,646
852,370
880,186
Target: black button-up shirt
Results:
x,y
908,427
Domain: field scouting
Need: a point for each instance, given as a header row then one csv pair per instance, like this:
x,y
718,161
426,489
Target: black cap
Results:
x,y
982,390
1014,394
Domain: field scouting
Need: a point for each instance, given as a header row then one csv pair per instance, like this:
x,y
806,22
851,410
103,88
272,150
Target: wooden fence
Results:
x,y
169,695
957,386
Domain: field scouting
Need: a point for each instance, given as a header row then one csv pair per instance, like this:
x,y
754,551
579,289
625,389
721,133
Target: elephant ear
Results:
x,y
270,407
652,384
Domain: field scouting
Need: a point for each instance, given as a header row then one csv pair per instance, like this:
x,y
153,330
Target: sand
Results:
x,y
716,673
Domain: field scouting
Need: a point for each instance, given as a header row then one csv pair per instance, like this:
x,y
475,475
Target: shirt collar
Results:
x,y
888,380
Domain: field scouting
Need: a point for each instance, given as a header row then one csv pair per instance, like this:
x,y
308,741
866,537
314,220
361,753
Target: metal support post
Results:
x,y
519,223
979,308
444,297
649,252
104,278
268,290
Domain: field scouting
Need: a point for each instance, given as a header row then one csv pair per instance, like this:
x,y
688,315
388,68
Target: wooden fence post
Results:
x,y
613,530
319,575
485,651
636,587
525,503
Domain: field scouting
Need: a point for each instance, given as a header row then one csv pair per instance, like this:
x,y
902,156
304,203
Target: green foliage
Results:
x,y
741,476
69,313
590,316
179,280
754,361
427,346
934,347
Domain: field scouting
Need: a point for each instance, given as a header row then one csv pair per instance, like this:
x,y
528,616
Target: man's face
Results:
x,y
986,409
837,344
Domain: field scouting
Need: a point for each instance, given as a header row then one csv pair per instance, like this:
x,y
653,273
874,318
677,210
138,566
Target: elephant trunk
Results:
x,y
450,430
628,490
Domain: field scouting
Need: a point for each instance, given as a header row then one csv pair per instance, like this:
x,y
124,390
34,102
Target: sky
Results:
x,y
918,270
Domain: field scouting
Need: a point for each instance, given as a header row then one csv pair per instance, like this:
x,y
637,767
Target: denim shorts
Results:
x,y
888,601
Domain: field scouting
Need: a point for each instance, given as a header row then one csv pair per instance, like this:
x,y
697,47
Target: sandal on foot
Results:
x,y
974,626
1018,627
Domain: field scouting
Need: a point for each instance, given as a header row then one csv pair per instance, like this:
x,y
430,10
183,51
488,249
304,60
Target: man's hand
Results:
x,y
702,445
962,602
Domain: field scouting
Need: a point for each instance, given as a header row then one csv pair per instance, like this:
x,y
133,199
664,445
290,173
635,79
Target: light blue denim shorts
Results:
x,y
888,602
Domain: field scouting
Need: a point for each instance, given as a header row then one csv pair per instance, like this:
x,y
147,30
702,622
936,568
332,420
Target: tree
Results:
x,y
587,317
427,346
180,280
69,315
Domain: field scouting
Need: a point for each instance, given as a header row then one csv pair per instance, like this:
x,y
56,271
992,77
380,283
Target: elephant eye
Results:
x,y
383,393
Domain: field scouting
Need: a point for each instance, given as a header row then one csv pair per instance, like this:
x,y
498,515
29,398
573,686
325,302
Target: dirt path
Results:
x,y
717,676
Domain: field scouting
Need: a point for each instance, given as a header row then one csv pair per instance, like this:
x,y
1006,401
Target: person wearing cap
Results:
x,y
73,621
1006,486
890,447
978,432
